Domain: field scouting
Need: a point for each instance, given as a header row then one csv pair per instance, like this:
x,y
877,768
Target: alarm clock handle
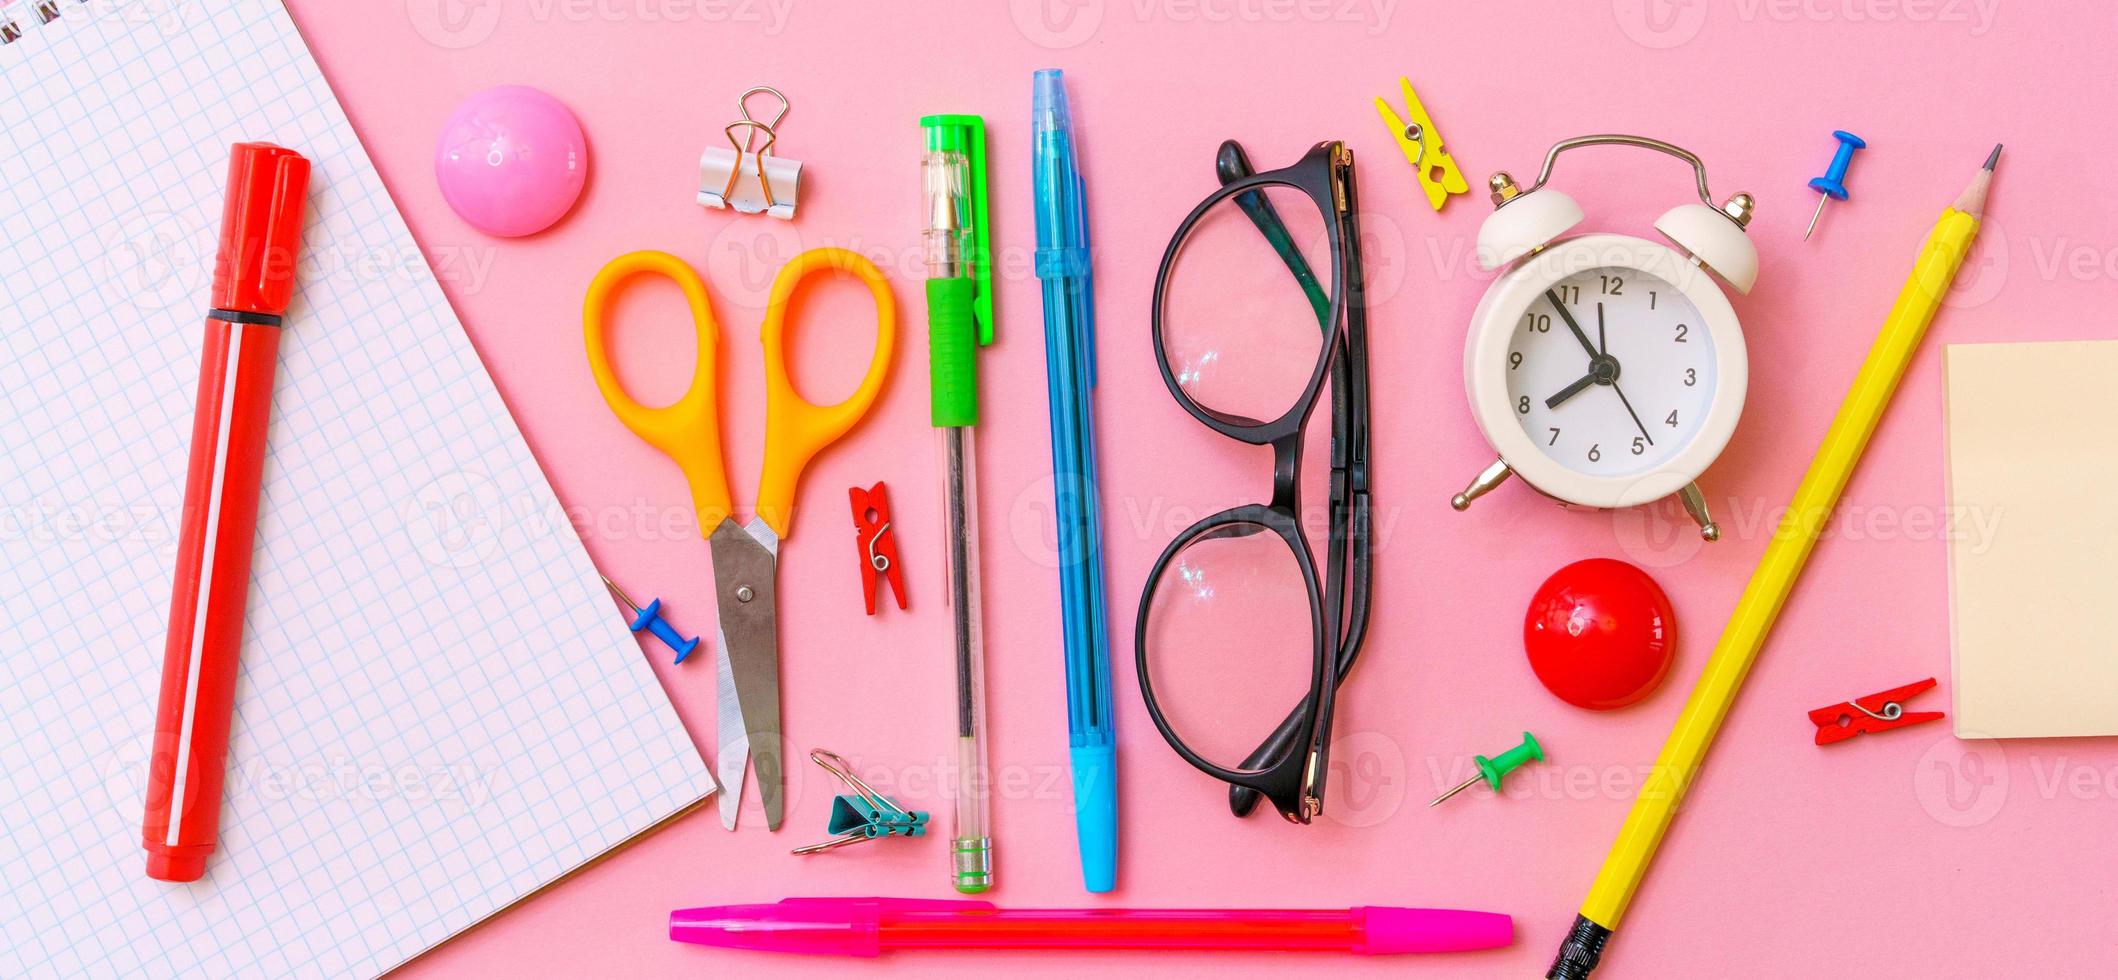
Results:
x,y
1698,166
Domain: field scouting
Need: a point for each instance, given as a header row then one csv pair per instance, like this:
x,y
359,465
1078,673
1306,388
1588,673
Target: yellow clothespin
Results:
x,y
1421,142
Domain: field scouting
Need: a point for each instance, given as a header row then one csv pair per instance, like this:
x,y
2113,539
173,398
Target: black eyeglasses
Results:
x,y
1259,302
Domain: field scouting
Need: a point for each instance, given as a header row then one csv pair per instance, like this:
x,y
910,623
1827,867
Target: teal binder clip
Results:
x,y
864,814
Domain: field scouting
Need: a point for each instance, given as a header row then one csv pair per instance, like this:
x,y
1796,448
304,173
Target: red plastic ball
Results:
x,y
1600,634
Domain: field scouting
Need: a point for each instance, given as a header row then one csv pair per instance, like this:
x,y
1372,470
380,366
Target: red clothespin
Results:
x,y
877,546
1874,713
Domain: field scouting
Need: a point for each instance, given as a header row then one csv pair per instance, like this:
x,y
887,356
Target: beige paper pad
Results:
x,y
2033,458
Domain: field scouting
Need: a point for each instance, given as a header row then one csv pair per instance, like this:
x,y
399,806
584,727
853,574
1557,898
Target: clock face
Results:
x,y
1610,371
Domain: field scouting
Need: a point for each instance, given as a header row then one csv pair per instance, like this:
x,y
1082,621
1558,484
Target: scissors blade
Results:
x,y
731,740
745,572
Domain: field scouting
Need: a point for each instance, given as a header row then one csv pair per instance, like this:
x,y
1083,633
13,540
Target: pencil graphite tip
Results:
x,y
1973,199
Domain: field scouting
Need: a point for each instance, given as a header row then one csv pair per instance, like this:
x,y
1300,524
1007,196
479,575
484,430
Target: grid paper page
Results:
x,y
439,710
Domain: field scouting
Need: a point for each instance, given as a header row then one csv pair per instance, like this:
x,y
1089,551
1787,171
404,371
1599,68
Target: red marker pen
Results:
x,y
253,278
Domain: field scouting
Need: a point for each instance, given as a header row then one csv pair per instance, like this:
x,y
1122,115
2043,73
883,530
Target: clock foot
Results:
x,y
1695,505
1492,476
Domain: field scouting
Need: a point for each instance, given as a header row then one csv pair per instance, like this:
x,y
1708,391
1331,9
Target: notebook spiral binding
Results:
x,y
46,11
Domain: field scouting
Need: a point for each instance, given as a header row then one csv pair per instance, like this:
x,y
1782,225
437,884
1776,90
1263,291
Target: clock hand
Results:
x,y
1603,368
1629,411
1581,384
1597,361
1579,335
1596,358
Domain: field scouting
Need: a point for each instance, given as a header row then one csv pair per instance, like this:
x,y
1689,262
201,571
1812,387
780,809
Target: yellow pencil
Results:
x,y
1681,756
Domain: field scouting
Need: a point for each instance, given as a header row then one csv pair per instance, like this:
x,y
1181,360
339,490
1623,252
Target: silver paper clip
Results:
x,y
748,177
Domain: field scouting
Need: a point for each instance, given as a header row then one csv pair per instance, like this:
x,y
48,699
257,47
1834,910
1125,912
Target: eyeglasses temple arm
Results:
x,y
1231,165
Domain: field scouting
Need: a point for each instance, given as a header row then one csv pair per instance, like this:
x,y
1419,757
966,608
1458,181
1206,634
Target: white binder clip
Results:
x,y
748,177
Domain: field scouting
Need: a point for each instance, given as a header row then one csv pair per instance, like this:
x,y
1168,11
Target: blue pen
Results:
x,y
1070,370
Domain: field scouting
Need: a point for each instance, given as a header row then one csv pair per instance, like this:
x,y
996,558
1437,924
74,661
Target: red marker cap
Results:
x,y
261,229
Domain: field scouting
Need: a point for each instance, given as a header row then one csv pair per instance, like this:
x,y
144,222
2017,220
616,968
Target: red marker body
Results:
x,y
253,279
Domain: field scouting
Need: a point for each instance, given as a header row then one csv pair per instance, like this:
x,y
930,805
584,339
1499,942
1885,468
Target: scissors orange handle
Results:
x,y
796,428
689,429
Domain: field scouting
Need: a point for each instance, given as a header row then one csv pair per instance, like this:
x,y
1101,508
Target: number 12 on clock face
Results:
x,y
1609,371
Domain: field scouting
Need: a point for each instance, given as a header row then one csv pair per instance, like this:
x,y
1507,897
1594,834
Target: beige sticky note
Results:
x,y
2033,570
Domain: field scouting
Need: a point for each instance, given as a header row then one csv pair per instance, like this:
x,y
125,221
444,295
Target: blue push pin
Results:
x,y
651,619
1833,183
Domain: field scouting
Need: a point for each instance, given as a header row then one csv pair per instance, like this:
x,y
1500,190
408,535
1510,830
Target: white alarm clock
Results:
x,y
1608,370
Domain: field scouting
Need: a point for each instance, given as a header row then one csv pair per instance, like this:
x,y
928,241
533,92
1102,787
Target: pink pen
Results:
x,y
867,926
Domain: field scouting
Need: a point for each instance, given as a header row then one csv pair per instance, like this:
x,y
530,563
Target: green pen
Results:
x,y
959,321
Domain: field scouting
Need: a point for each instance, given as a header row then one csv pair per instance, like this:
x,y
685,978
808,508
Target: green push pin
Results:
x,y
1491,770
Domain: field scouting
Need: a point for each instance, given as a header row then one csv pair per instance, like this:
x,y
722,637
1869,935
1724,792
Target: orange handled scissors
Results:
x,y
745,557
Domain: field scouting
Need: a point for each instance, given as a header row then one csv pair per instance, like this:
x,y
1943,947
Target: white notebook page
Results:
x,y
439,709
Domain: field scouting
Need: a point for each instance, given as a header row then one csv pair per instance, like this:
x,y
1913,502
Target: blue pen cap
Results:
x,y
1048,100
1062,237
1061,206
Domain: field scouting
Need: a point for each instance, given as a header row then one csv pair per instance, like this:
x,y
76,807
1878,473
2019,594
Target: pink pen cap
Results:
x,y
1394,930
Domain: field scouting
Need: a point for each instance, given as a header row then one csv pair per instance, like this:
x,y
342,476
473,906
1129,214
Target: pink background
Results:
x,y
1911,852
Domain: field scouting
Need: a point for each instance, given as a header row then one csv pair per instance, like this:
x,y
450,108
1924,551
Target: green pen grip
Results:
x,y
952,350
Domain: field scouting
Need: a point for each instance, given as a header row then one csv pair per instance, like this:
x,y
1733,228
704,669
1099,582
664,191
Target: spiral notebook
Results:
x,y
440,711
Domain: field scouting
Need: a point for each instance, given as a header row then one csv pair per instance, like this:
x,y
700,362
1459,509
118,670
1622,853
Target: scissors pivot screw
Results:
x,y
744,593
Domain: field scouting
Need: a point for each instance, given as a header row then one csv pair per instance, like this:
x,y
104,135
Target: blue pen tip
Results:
x,y
1096,814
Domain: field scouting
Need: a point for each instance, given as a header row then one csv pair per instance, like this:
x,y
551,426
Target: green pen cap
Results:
x,y
959,263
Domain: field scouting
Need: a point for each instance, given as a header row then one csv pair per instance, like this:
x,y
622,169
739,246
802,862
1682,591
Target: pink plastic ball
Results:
x,y
511,161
